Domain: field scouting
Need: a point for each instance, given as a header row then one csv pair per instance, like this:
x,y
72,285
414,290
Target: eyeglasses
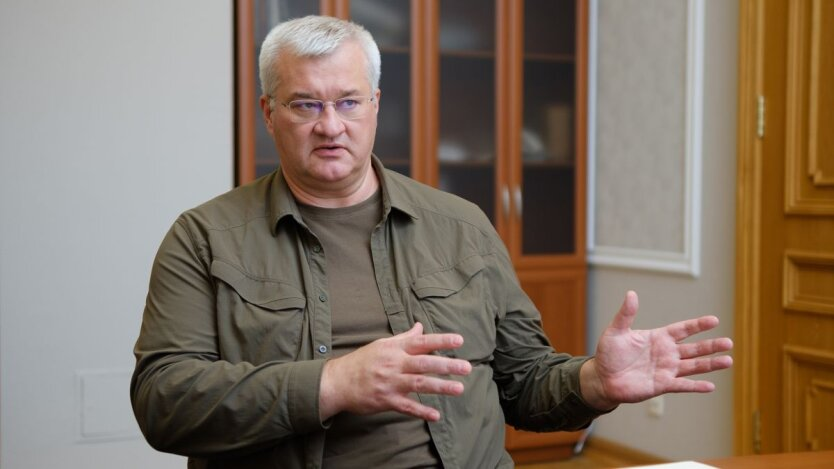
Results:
x,y
309,110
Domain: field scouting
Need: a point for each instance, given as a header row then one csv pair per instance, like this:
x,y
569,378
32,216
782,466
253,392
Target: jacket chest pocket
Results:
x,y
458,300
258,320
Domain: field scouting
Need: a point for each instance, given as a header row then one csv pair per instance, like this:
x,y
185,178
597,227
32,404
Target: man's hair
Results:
x,y
314,36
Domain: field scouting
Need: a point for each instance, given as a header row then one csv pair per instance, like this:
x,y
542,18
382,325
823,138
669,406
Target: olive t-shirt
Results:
x,y
387,439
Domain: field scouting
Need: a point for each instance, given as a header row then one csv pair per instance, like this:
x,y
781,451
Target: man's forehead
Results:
x,y
332,76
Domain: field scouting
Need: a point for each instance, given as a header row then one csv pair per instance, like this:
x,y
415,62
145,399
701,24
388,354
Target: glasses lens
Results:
x,y
306,108
351,107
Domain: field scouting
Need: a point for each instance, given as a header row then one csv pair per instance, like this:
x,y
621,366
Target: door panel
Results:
x,y
809,175
547,136
466,148
265,15
389,22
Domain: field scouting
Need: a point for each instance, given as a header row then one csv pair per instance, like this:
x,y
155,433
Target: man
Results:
x,y
336,314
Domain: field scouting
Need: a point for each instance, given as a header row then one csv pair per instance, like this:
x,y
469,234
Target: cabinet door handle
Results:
x,y
518,201
505,199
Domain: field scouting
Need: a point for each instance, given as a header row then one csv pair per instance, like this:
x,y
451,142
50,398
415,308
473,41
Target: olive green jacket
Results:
x,y
236,330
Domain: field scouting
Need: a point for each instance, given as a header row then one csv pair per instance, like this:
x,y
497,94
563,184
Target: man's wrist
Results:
x,y
592,389
328,396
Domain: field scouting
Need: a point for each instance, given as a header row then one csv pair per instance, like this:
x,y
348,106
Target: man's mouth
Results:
x,y
329,146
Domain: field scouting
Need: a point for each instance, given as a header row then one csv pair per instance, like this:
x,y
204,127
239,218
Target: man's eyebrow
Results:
x,y
301,95
305,95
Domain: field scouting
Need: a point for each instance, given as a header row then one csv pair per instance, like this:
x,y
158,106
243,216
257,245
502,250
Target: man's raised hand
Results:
x,y
635,365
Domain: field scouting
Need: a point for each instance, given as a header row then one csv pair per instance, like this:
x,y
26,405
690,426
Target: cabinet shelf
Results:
x,y
549,164
541,57
468,53
479,163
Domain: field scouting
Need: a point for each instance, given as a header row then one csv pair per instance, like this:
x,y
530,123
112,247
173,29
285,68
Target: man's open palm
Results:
x,y
635,365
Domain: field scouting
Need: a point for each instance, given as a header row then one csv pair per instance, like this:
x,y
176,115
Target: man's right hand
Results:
x,y
380,376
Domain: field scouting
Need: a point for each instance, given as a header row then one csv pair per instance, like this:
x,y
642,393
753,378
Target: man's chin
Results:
x,y
332,172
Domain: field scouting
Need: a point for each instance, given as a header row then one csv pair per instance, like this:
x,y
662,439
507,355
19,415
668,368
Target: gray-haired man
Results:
x,y
337,314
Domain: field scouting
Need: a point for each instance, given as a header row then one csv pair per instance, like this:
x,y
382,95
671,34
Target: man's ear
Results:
x,y
377,95
266,111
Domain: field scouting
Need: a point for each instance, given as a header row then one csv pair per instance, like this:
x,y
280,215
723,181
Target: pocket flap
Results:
x,y
266,293
446,282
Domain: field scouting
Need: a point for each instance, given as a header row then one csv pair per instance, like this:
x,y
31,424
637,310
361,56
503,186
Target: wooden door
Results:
x,y
785,241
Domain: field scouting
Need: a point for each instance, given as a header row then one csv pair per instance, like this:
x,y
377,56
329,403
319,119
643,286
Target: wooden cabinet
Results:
x,y
485,99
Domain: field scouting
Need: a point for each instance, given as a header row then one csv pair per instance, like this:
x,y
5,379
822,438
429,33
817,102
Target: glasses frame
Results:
x,y
323,104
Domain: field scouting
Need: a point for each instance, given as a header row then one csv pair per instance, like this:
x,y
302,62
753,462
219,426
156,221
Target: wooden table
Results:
x,y
807,460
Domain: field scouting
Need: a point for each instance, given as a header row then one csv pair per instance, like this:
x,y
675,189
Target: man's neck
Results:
x,y
365,188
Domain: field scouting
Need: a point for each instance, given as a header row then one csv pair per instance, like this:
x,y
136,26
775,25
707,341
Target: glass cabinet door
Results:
x,y
389,22
547,134
466,142
266,15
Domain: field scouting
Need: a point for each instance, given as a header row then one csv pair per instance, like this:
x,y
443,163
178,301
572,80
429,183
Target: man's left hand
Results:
x,y
635,365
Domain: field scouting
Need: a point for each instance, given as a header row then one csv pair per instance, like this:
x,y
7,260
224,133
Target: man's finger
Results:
x,y
625,316
705,347
704,365
431,385
683,329
688,385
433,364
416,329
408,406
428,343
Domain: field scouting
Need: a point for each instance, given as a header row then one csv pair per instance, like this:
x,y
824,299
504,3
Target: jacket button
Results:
x,y
316,248
322,298
322,349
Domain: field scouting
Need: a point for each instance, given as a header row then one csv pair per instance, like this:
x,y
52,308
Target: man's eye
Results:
x,y
306,105
349,103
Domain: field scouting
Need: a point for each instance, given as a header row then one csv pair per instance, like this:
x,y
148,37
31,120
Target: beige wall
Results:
x,y
115,115
692,426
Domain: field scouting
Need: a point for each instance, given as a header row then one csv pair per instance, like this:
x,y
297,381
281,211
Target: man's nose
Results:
x,y
329,123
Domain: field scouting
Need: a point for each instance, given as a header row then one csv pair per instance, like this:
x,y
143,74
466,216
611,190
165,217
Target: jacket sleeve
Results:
x,y
185,398
538,387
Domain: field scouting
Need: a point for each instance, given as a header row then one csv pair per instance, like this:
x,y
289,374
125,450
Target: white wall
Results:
x,y
115,115
692,426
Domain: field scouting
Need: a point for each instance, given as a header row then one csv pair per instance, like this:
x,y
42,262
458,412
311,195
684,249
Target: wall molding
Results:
x,y
686,261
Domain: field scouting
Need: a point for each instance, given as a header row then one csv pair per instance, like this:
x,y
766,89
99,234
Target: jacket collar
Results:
x,y
282,204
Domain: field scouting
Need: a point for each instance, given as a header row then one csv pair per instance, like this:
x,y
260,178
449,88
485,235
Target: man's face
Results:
x,y
329,154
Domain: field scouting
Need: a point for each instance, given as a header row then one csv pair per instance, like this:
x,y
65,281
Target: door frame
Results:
x,y
748,227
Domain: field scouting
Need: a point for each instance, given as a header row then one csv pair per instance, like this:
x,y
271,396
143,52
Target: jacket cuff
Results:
x,y
570,411
303,395
576,401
